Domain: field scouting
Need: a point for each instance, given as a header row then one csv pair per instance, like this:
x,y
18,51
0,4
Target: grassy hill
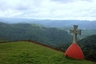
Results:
x,y
30,53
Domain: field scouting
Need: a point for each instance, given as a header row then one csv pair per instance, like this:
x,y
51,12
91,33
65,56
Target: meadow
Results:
x,y
24,52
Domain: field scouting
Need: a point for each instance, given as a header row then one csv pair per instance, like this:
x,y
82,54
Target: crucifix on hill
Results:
x,y
74,51
75,32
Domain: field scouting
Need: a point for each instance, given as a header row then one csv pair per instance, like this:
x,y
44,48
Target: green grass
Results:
x,y
30,53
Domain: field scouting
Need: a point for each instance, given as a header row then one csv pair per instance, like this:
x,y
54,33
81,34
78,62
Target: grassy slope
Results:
x,y
30,53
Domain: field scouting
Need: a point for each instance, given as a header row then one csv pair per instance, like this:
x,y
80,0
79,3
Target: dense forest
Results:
x,y
24,31
88,46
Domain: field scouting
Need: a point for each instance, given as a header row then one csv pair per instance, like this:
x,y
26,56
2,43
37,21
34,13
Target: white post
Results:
x,y
75,32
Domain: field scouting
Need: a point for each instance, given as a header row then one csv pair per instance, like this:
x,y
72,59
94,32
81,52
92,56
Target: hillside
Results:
x,y
23,31
30,53
87,27
88,46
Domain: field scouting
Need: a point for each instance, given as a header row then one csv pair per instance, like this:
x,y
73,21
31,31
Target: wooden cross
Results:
x,y
75,32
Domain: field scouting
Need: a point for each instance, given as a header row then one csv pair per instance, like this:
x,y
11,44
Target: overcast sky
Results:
x,y
49,9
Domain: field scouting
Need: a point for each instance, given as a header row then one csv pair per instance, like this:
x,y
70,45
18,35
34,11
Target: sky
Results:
x,y
49,9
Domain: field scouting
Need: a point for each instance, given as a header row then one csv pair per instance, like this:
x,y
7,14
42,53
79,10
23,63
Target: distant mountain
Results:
x,y
84,24
23,31
88,46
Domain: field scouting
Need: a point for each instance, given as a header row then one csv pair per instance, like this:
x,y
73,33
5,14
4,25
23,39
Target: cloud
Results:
x,y
49,9
70,1
63,1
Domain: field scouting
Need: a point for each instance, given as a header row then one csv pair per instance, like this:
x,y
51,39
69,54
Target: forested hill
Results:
x,y
88,46
24,31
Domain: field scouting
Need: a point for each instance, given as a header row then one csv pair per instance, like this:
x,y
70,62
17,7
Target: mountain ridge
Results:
x,y
53,23
23,31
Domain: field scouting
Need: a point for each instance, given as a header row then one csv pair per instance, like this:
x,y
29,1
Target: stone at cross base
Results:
x,y
74,51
